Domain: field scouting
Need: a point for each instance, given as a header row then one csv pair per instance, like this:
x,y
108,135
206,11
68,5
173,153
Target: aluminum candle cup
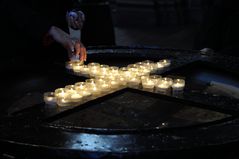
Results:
x,y
86,94
148,84
165,62
178,85
114,84
77,66
122,81
70,89
162,87
104,69
167,80
85,70
76,98
147,62
94,72
94,65
155,78
134,82
70,64
80,86
63,102
114,70
95,91
60,93
49,98
105,88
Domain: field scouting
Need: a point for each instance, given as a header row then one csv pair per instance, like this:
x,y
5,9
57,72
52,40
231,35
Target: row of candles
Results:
x,y
109,79
137,69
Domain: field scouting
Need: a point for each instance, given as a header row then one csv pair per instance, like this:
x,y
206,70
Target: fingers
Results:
x,y
83,53
80,50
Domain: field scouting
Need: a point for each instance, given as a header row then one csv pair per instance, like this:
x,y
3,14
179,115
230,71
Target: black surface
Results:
x,y
195,122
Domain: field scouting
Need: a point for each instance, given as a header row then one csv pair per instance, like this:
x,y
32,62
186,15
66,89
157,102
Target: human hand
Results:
x,y
73,47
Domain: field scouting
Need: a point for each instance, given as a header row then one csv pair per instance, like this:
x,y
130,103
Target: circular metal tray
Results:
x,y
125,123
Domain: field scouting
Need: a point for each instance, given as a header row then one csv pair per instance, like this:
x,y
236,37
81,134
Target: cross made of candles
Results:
x,y
104,79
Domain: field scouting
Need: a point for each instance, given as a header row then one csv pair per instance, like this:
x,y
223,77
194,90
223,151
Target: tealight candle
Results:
x,y
159,65
145,77
94,72
122,80
93,65
105,87
70,89
104,69
178,84
90,82
79,86
60,93
96,91
148,84
69,65
162,87
114,84
86,94
165,62
155,78
49,98
147,62
77,66
76,97
85,70
167,80
114,70
62,102
134,82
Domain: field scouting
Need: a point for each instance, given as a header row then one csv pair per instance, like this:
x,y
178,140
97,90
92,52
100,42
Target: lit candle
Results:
x,y
60,93
96,92
114,70
162,87
167,80
178,84
86,94
159,65
155,78
90,82
144,78
70,89
113,84
85,70
76,98
77,66
93,65
49,98
70,64
122,80
94,72
165,62
134,82
62,102
148,84
79,86
104,69
147,62
105,87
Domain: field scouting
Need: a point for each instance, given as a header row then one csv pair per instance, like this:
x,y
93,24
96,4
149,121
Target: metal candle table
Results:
x,y
128,122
